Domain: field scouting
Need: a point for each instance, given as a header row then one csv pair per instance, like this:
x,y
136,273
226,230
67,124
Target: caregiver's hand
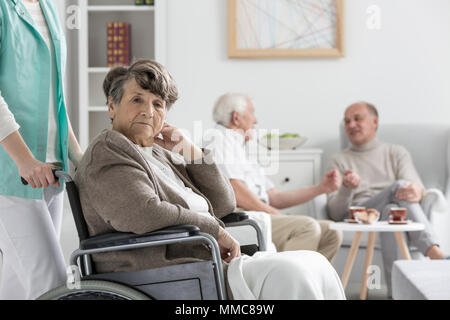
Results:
x,y
229,247
35,172
38,174
174,140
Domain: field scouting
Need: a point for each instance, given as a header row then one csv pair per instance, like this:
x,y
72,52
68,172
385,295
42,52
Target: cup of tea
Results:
x,y
353,210
398,214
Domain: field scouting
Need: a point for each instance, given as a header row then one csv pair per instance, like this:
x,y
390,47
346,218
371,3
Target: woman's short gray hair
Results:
x,y
149,75
227,104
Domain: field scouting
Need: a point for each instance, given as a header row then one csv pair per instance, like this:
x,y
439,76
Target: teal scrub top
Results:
x,y
25,79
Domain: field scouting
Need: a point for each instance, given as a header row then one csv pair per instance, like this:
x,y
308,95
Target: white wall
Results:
x,y
404,69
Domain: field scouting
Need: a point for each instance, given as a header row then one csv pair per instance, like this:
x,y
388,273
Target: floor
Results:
x,y
353,291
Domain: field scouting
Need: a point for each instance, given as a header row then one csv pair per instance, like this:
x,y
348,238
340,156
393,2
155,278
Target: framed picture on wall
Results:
x,y
285,28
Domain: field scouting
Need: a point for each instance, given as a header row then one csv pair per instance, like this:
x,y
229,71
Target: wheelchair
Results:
x,y
202,280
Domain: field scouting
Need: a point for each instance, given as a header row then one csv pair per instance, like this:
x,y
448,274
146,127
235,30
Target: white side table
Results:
x,y
380,226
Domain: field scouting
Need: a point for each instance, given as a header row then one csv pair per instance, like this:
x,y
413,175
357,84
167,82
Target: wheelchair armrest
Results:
x,y
239,219
234,217
115,239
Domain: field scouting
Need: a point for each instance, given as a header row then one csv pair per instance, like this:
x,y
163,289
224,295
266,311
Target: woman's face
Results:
x,y
139,116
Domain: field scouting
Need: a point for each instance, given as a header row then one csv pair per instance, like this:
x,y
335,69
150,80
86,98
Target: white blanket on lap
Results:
x,y
290,275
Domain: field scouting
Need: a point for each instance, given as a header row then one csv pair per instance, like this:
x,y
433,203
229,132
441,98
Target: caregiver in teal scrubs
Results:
x,y
35,135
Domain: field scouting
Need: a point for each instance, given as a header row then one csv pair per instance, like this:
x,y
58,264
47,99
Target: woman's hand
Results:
x,y
229,247
174,140
38,174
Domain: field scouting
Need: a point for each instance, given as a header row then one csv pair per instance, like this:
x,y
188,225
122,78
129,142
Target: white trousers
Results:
x,y
288,275
33,262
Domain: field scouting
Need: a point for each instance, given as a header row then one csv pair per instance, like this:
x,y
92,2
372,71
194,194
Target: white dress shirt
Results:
x,y
228,147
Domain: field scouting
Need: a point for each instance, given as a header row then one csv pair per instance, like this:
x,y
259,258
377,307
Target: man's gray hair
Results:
x,y
372,109
227,104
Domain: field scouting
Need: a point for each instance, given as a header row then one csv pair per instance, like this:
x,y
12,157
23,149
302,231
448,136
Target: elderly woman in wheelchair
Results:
x,y
145,176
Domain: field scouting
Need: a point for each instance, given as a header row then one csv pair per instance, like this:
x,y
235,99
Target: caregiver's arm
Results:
x,y
75,152
38,174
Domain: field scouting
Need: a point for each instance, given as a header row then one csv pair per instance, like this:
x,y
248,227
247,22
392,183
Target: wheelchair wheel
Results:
x,y
95,290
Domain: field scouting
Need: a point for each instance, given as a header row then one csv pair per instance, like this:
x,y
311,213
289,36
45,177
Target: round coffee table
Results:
x,y
372,229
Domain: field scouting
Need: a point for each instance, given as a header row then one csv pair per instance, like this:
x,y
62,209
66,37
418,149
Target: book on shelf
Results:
x,y
145,2
110,44
118,43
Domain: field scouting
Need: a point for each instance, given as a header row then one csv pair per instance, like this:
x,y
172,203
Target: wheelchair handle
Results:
x,y
57,173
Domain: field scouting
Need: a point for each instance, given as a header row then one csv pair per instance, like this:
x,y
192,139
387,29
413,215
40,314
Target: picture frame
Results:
x,y
285,29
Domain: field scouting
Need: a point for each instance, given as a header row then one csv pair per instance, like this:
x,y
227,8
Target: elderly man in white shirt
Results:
x,y
234,115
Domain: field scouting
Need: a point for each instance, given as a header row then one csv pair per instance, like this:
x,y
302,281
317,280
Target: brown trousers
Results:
x,y
296,232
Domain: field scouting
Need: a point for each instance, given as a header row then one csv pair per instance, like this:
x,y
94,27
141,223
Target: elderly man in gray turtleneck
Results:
x,y
379,175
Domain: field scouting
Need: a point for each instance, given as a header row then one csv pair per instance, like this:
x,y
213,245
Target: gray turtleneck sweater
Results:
x,y
378,164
